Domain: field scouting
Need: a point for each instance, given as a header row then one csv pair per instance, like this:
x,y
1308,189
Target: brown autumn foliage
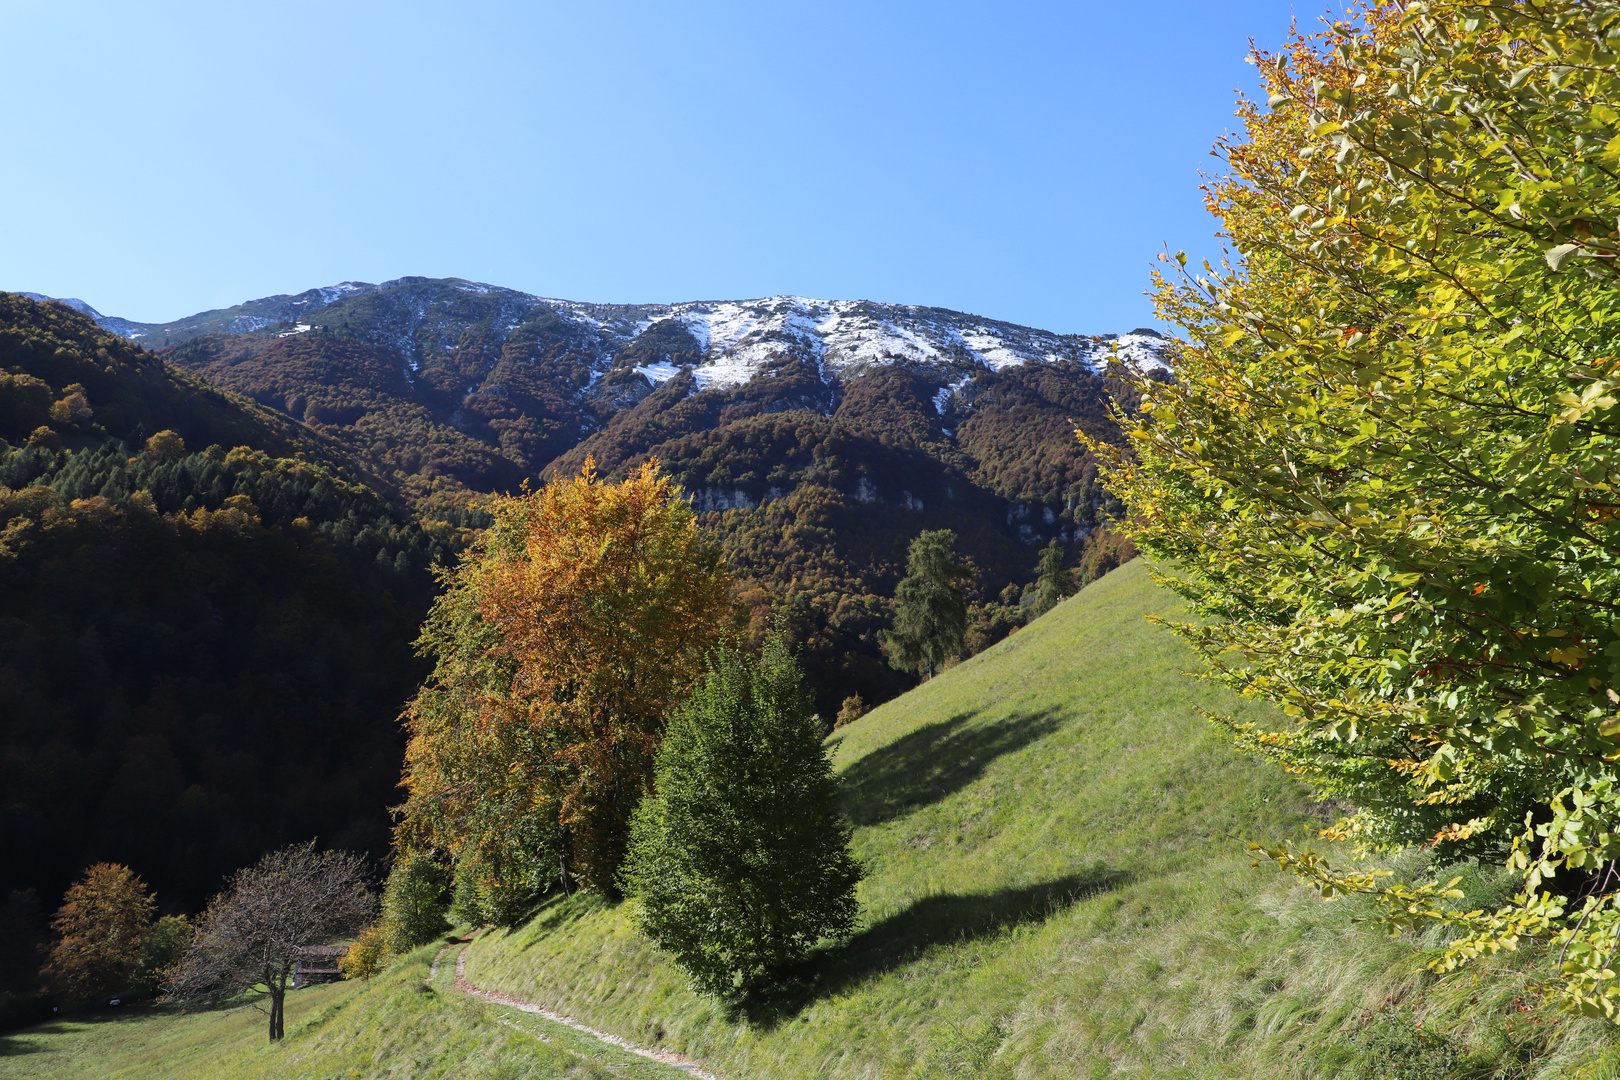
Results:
x,y
567,632
104,921
166,445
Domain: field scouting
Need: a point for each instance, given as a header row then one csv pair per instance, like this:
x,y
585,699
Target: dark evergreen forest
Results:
x,y
202,654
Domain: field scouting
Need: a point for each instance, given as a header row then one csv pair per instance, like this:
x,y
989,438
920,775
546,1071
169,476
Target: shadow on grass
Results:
x,y
65,1023
12,1046
934,762
556,911
906,936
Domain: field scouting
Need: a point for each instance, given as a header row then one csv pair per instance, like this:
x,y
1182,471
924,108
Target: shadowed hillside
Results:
x,y
204,641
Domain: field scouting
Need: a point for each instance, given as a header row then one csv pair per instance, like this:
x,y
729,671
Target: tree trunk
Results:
x,y
278,1002
566,878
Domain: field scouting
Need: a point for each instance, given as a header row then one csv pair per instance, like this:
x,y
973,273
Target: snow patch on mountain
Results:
x,y
332,293
943,399
657,373
847,336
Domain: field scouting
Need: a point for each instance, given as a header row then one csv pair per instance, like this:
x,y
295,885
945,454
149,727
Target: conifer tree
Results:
x,y
740,861
930,618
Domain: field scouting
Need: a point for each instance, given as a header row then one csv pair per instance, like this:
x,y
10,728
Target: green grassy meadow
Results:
x,y
1057,887
394,1027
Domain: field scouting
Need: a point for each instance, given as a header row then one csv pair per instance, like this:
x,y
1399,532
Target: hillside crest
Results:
x,y
726,342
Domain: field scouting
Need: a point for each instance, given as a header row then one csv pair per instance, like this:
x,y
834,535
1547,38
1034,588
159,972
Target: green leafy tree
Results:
x,y
1054,582
161,951
931,606
413,904
1388,467
740,862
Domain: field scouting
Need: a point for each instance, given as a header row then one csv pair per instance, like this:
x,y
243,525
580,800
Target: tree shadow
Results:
x,y
13,1046
555,912
904,937
934,762
64,1023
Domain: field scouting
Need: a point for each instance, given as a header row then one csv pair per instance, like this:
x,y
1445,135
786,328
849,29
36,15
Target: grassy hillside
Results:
x,y
394,1027
1058,888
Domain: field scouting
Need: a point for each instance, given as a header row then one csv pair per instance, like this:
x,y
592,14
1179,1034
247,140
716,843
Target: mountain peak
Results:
x,y
73,302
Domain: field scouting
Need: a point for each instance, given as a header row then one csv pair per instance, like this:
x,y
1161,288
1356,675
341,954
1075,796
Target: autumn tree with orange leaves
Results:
x,y
567,632
103,921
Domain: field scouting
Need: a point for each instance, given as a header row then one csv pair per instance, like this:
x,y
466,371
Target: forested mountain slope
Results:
x,y
815,508
206,646
48,351
449,384
819,437
204,638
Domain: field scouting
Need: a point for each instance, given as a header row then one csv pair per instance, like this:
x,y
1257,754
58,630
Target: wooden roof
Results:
x,y
323,950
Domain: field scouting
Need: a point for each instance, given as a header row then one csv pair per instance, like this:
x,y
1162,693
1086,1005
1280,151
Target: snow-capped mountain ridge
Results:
x,y
730,340
846,336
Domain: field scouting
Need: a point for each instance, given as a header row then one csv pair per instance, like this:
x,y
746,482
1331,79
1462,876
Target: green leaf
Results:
x,y
1555,256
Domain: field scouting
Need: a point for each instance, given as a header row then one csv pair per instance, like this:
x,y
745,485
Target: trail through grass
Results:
x,y
400,1025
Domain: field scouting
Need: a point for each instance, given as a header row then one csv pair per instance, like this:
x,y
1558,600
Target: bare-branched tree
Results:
x,y
253,934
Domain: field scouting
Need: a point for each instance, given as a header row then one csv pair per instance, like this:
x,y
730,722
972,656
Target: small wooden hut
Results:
x,y
318,964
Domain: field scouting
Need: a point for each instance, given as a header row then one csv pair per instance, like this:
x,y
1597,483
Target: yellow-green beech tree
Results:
x,y
1387,467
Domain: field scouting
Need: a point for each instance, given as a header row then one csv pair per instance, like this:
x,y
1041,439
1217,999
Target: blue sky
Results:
x,y
1023,161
